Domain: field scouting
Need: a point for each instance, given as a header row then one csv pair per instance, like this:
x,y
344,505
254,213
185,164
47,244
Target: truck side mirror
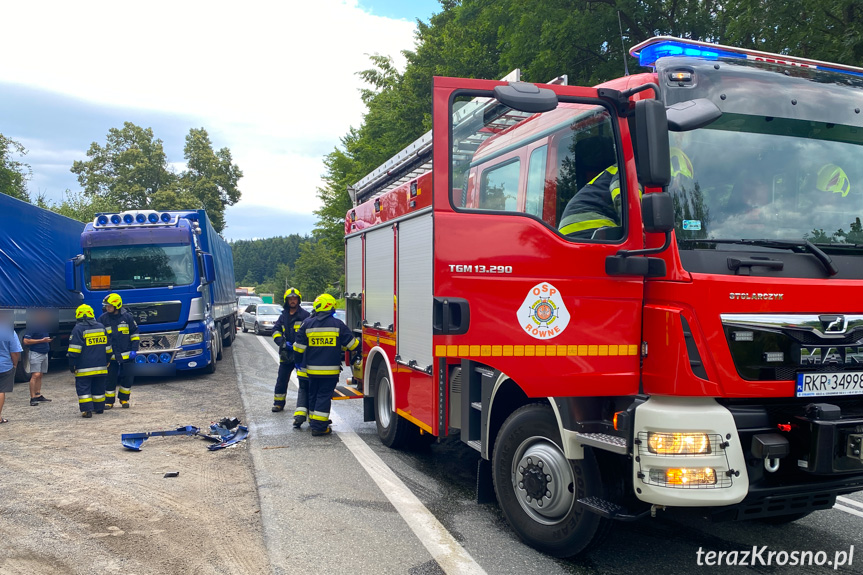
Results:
x,y
71,283
209,268
658,213
652,154
526,97
692,114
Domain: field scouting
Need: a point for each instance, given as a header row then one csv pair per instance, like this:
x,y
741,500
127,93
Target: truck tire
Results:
x,y
245,329
231,325
394,431
544,513
217,337
211,367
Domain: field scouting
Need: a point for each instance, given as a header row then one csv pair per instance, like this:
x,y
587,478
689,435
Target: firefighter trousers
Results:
x,y
122,373
91,393
281,392
302,397
321,388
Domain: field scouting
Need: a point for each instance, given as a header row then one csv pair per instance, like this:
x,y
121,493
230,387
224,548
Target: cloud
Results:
x,y
274,81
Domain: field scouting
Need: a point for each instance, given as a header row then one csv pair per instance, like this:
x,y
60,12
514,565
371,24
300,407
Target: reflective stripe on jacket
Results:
x,y
89,348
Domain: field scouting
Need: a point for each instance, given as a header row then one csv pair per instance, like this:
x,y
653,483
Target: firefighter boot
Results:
x,y
319,432
87,414
124,404
299,420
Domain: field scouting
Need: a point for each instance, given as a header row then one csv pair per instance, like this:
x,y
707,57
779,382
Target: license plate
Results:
x,y
827,384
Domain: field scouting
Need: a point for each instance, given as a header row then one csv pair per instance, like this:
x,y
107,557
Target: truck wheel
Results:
x,y
537,486
245,329
228,340
211,367
217,341
393,430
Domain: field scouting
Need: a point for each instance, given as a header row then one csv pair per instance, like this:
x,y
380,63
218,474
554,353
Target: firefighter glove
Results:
x,y
72,367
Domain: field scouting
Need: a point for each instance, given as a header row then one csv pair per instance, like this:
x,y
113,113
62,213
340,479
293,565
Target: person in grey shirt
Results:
x,y
10,354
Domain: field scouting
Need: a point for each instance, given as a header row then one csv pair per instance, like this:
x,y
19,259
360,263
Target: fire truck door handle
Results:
x,y
451,316
740,265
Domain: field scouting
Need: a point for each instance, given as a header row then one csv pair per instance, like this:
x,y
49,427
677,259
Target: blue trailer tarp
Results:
x,y
34,246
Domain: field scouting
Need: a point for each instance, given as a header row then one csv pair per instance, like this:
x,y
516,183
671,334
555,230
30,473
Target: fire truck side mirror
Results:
x,y
526,97
658,212
692,114
652,155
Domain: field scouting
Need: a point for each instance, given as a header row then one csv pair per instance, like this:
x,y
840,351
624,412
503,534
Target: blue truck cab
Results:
x,y
176,277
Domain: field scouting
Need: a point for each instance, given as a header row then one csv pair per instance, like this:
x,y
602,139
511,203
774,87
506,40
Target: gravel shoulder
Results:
x,y
73,500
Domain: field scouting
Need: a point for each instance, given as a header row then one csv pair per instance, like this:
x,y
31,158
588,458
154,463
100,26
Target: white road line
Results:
x,y
449,554
293,384
856,512
849,501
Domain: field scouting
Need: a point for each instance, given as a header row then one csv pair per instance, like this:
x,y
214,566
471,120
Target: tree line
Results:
x,y
584,39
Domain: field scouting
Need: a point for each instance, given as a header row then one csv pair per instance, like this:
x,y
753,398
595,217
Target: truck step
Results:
x,y
476,405
345,392
476,444
604,441
610,510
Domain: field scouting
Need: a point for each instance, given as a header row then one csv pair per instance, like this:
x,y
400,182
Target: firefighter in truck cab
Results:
x,y
88,353
323,340
284,332
123,336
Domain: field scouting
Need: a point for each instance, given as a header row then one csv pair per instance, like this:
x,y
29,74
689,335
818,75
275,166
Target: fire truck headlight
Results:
x,y
678,443
684,477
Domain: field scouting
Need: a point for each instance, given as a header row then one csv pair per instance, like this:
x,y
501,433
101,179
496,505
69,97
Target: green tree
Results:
x,y
78,205
130,170
317,268
14,173
211,177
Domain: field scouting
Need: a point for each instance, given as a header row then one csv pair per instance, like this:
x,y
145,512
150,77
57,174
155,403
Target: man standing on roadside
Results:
x,y
284,332
10,354
39,342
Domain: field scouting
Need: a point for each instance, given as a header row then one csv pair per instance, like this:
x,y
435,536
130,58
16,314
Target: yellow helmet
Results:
x,y
84,311
114,300
293,292
680,163
324,302
832,178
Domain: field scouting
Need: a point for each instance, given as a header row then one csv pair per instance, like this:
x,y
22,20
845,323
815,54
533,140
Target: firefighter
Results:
x,y
284,331
301,412
833,179
322,341
123,334
598,204
89,350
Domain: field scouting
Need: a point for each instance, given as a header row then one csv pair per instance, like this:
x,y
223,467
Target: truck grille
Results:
x,y
158,341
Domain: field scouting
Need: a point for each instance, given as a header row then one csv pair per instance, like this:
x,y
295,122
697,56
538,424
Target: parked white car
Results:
x,y
260,317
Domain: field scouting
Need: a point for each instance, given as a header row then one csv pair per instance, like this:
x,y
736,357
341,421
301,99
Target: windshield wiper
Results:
x,y
808,246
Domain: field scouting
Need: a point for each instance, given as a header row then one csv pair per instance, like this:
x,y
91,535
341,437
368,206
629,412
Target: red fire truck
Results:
x,y
699,345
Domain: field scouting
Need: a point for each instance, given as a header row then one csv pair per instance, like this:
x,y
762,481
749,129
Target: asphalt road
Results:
x,y
323,512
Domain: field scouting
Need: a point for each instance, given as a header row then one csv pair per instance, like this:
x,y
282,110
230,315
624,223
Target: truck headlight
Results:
x,y
683,477
192,338
678,443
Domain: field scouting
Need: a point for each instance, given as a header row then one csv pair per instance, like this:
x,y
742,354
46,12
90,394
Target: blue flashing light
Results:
x,y
128,219
650,54
102,220
140,359
153,218
115,219
165,357
166,218
153,358
141,218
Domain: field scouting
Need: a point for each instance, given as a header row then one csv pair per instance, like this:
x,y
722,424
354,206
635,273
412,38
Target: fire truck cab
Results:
x,y
626,298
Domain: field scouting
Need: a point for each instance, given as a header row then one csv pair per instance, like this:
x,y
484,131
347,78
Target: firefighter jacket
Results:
x,y
122,333
594,206
322,341
89,348
285,331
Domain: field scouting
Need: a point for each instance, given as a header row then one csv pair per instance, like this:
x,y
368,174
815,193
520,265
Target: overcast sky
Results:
x,y
273,81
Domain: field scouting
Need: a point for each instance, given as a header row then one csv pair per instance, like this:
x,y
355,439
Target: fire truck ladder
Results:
x,y
416,159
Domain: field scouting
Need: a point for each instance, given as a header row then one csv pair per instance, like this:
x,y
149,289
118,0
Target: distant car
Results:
x,y
260,317
307,305
243,302
342,315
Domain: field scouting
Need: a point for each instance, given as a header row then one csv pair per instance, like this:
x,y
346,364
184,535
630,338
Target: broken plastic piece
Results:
x,y
172,474
223,434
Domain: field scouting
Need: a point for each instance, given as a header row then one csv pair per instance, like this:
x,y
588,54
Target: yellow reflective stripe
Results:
x,y
74,348
126,390
322,330
352,345
110,394
98,398
299,347
317,417
277,334
92,370
135,338
125,355
109,349
108,329
586,225
94,331
85,399
301,411
323,370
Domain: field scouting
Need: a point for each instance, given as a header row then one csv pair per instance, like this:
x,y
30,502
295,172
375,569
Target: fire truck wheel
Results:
x,y
393,430
537,486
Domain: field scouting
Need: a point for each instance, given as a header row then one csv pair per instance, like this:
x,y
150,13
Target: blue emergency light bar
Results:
x,y
139,218
649,51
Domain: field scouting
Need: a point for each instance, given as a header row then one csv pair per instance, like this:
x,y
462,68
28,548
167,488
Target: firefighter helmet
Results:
x,y
680,163
832,178
293,292
84,311
324,302
114,300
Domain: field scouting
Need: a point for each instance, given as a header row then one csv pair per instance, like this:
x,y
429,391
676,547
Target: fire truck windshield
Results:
x,y
763,177
138,266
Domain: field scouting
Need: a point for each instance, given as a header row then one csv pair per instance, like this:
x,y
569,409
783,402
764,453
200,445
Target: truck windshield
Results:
x,y
142,266
773,178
